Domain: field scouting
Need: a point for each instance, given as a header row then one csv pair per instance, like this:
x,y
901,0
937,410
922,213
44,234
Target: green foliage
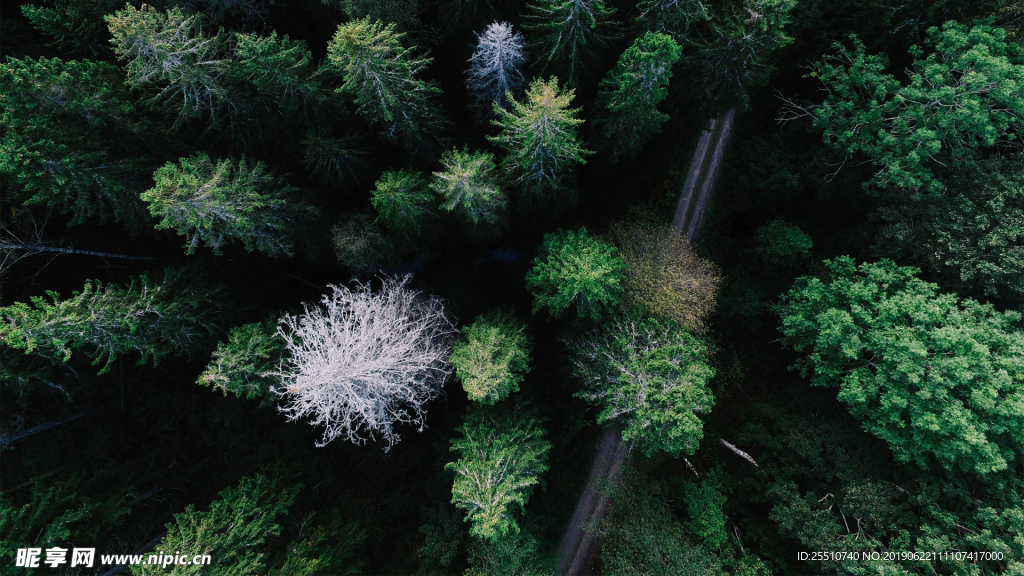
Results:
x,y
492,357
512,555
704,501
672,17
734,56
941,380
77,25
231,531
632,91
403,201
782,244
277,68
963,97
573,269
539,138
168,52
333,159
360,245
216,203
642,536
64,513
245,364
469,184
972,234
650,376
382,75
63,124
155,316
566,33
444,539
402,13
324,547
502,455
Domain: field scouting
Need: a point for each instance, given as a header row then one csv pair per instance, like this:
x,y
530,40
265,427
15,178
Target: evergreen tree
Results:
x,y
278,69
76,25
404,14
632,91
246,364
325,546
567,32
403,201
68,135
941,380
154,315
334,160
382,75
216,203
169,52
672,17
734,55
574,269
961,98
494,67
652,377
501,458
232,531
468,184
492,357
539,138
81,509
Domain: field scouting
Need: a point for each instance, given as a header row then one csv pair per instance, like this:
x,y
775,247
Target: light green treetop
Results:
x,y
469,184
403,201
940,379
492,357
574,269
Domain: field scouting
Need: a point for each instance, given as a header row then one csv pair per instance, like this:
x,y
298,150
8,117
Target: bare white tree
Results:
x,y
364,361
494,66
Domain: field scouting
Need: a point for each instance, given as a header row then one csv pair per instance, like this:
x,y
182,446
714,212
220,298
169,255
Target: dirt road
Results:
x,y
581,544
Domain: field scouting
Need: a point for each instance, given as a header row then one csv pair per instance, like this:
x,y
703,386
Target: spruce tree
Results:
x,y
382,75
672,17
632,91
154,315
70,138
246,364
403,201
567,33
539,138
279,69
216,203
494,67
469,185
492,357
575,270
232,531
501,458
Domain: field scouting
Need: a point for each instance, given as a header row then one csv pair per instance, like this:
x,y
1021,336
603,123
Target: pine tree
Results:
x,y
155,316
492,357
216,203
169,52
468,184
501,458
232,531
632,91
403,201
539,138
246,364
69,139
567,32
382,75
574,269
651,376
494,67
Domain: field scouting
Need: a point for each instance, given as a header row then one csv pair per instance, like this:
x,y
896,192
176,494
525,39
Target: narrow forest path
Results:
x,y
581,543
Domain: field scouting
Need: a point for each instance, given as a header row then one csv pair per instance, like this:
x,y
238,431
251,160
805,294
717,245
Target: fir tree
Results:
x,y
382,75
403,201
246,364
468,184
632,91
539,138
567,32
494,67
278,69
492,357
672,17
501,458
69,138
575,270
155,316
231,532
215,203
